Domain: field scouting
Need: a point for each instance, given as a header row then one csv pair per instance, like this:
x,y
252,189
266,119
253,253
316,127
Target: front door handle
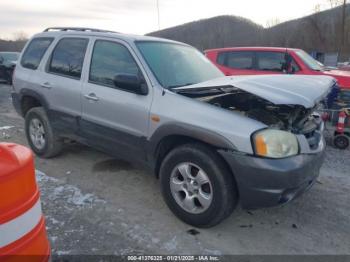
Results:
x,y
91,96
46,85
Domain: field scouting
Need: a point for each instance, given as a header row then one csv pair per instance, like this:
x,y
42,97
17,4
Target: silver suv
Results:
x,y
212,140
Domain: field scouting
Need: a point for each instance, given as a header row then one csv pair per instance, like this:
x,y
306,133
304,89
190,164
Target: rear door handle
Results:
x,y
91,96
46,85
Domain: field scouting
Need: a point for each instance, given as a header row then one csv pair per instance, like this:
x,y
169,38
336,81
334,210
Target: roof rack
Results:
x,y
80,29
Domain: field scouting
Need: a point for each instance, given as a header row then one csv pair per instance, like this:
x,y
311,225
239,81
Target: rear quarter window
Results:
x,y
236,59
271,61
35,51
221,58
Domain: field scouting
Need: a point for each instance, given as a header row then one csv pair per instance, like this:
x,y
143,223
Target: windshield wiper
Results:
x,y
175,86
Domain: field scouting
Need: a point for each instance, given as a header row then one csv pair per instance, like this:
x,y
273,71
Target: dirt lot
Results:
x,y
98,205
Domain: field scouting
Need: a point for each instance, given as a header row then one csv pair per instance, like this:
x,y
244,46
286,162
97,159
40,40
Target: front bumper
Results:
x,y
266,182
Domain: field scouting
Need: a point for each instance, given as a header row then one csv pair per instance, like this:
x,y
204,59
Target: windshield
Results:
x,y
177,65
9,56
309,61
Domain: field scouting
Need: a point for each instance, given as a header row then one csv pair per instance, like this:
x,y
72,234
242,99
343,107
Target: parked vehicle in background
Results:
x,y
8,62
345,66
274,60
212,140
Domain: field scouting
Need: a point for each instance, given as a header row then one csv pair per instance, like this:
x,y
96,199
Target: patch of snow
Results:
x,y
171,245
212,252
53,239
6,127
42,177
155,240
71,194
62,252
78,198
53,220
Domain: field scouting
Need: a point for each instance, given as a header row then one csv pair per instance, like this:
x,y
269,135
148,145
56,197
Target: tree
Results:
x,y
335,3
20,36
343,21
317,8
272,22
315,22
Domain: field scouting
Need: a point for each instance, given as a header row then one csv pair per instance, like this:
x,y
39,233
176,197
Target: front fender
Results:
x,y
194,132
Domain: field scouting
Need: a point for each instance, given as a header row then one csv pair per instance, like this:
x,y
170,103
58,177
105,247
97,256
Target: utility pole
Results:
x,y
158,15
343,24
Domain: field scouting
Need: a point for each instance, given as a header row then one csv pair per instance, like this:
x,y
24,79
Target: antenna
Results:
x,y
158,15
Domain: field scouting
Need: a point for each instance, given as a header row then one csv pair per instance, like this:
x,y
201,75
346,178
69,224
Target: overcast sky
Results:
x,y
139,16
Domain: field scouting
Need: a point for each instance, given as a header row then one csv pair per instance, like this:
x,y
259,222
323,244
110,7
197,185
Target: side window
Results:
x,y
240,60
221,58
108,60
295,67
68,56
35,52
271,61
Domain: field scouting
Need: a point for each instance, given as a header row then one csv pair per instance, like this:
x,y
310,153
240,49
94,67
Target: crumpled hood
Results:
x,y
278,89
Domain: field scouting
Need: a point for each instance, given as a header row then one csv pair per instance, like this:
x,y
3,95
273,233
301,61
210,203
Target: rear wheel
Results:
x,y
341,141
197,186
40,135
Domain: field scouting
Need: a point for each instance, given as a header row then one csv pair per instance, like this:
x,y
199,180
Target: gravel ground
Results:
x,y
95,204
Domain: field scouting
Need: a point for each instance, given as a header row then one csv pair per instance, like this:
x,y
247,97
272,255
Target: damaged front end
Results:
x,y
291,110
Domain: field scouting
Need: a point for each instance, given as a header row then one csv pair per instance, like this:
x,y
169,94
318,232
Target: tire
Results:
x,y
341,141
221,195
36,119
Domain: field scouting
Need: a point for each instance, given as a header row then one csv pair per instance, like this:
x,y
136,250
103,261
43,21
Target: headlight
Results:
x,y
275,143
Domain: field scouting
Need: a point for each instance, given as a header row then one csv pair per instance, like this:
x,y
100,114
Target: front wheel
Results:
x,y
197,186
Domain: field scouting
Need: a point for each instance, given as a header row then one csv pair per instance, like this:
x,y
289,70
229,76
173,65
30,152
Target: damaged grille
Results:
x,y
312,131
313,138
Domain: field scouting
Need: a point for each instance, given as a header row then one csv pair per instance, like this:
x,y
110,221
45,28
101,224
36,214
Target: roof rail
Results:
x,y
80,29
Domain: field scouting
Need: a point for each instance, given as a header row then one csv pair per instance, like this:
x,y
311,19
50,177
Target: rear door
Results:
x,y
270,62
114,119
236,62
61,82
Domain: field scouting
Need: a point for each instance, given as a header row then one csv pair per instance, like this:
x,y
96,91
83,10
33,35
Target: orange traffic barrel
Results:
x,y
22,225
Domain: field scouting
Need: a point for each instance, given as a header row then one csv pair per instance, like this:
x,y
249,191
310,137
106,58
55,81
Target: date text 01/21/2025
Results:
x,y
173,258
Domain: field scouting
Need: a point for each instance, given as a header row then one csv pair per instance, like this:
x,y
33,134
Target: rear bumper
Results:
x,y
270,182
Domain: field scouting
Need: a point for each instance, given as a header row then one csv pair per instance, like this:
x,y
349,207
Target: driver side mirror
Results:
x,y
132,83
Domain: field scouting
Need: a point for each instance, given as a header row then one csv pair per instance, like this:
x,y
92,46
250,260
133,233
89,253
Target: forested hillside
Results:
x,y
321,31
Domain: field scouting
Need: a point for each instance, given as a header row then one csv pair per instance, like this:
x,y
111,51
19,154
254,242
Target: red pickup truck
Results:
x,y
273,60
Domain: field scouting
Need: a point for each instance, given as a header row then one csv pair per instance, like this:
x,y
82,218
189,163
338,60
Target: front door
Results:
x,y
114,119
